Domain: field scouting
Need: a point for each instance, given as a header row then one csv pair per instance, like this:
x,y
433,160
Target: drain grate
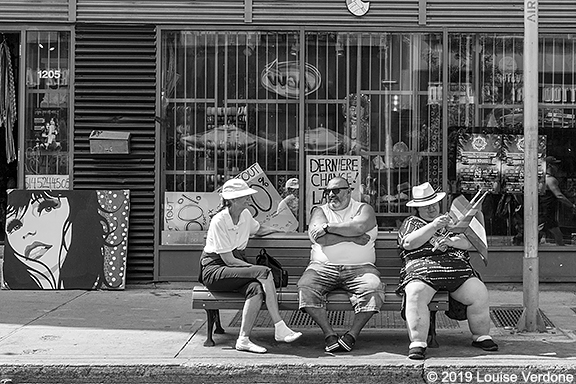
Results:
x,y
508,317
342,319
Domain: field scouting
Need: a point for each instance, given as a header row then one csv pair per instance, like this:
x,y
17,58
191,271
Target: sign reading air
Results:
x,y
358,7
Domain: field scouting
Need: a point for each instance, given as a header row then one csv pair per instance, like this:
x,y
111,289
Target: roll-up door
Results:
x,y
115,80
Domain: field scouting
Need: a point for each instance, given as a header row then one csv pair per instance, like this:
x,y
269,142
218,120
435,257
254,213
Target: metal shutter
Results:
x,y
47,11
115,89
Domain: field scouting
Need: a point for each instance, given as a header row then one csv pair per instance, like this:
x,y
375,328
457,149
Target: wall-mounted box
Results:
x,y
109,142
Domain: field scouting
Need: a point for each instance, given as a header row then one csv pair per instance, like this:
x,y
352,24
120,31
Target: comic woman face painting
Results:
x,y
40,234
54,240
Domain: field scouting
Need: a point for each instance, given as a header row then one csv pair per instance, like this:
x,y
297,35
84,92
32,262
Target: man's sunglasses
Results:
x,y
335,190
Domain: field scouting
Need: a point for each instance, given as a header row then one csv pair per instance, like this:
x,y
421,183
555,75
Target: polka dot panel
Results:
x,y
115,207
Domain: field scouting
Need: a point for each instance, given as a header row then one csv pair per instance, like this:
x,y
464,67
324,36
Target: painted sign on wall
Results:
x,y
191,211
66,239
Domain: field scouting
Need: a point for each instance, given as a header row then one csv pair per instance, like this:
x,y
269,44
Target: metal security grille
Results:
x,y
508,317
115,89
232,99
342,319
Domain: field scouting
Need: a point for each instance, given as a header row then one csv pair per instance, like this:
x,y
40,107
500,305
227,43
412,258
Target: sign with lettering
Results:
x,y
494,163
191,211
284,78
513,162
264,206
478,163
319,171
47,182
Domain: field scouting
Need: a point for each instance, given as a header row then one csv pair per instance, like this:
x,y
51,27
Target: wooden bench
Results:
x,y
294,254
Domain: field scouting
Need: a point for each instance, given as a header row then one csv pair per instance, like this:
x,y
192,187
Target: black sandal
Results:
x,y
487,345
417,353
331,343
347,342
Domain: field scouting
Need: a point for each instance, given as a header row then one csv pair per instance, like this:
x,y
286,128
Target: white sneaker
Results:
x,y
293,336
248,346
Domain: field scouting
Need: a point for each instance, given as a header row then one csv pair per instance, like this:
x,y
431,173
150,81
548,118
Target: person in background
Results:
x,y
224,266
290,197
549,202
343,232
436,259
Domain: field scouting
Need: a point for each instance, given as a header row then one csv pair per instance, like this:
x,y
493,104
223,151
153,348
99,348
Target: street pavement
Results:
x,y
150,334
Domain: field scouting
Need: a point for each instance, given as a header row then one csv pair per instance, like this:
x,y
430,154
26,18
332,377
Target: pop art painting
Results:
x,y
66,239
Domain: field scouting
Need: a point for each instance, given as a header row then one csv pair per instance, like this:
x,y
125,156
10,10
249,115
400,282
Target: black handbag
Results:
x,y
279,274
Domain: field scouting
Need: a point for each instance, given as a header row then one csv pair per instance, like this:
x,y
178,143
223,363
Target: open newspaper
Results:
x,y
469,220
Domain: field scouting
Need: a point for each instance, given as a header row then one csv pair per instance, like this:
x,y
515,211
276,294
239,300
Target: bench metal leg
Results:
x,y
219,330
432,342
212,318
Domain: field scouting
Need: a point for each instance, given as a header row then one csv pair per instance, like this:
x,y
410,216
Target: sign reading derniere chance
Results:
x,y
320,169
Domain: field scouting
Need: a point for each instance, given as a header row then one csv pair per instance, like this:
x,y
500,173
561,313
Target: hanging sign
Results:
x,y
284,78
358,7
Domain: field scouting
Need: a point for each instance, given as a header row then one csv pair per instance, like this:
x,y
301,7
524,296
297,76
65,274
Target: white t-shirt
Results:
x,y
224,236
345,253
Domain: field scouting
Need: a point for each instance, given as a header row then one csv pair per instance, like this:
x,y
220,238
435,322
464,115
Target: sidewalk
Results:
x,y
151,334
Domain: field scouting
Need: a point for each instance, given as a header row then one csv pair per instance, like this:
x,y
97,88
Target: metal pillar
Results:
x,y
531,320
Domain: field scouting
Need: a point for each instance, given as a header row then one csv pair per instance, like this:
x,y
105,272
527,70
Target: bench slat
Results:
x,y
202,298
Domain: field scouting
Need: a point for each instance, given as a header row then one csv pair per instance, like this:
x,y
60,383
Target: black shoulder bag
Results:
x,y
279,274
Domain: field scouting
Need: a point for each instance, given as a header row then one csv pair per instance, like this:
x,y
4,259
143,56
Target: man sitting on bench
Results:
x,y
343,232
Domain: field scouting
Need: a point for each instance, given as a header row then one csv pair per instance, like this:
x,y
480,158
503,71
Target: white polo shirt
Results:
x,y
224,236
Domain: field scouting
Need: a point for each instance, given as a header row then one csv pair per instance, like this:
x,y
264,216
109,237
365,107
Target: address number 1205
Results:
x,y
49,74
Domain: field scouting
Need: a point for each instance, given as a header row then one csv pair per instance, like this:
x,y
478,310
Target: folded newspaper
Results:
x,y
468,219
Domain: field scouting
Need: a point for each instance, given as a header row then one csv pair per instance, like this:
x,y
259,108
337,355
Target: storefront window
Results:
x,y
47,111
233,99
486,127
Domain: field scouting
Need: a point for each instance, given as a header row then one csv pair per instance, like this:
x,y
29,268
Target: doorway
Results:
x,y
9,81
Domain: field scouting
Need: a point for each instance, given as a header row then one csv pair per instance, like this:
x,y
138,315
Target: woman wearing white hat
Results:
x,y
224,267
436,259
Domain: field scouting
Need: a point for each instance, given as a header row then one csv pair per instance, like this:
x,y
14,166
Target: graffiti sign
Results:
x,y
191,211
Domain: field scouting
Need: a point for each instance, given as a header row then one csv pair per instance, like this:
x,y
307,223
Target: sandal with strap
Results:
x,y
487,345
417,353
331,343
347,342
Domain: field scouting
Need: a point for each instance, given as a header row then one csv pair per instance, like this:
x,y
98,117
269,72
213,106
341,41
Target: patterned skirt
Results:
x,y
445,271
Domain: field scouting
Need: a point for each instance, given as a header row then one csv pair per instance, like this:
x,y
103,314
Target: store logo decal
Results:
x,y
283,78
358,7
479,143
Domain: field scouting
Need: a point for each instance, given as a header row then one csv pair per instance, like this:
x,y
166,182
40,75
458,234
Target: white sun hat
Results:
x,y
292,183
423,195
235,188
